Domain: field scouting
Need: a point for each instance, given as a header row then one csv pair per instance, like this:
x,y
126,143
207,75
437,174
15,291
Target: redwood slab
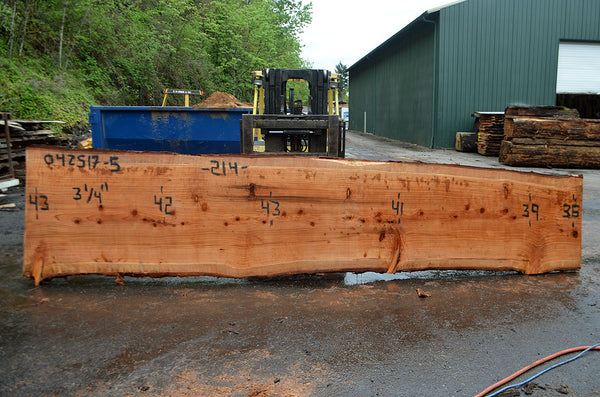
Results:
x,y
158,214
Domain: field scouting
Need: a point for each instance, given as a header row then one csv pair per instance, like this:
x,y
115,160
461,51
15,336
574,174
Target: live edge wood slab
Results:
x,y
157,214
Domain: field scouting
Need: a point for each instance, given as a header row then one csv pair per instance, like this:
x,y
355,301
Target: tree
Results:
x,y
247,36
125,52
342,71
11,37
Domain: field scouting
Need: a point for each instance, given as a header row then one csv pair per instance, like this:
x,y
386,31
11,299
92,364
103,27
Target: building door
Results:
x,y
578,77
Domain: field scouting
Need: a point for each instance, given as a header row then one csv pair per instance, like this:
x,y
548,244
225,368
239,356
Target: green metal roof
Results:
x,y
402,32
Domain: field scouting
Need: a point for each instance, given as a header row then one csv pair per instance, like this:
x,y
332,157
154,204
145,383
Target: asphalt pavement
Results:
x,y
341,334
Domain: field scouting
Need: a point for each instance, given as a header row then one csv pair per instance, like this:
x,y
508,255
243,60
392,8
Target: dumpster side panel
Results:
x,y
95,119
172,129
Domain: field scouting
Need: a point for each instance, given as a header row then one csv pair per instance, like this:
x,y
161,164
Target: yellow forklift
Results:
x,y
285,124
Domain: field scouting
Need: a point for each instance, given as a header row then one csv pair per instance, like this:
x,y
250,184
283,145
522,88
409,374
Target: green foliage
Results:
x,y
30,91
58,57
247,36
342,71
301,91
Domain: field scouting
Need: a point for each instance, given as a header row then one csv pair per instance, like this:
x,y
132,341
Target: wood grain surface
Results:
x,y
157,214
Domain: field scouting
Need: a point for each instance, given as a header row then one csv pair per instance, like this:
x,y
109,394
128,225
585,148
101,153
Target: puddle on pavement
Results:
x,y
347,279
371,277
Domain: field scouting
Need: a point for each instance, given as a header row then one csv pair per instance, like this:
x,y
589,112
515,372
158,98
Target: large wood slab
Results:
x,y
541,111
554,153
555,128
157,214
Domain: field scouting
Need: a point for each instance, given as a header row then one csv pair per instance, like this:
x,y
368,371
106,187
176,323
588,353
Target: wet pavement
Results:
x,y
338,334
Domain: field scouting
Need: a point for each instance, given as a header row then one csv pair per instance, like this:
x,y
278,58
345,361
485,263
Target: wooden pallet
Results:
x,y
22,134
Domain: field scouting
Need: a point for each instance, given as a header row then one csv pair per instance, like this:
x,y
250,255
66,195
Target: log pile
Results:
x,y
156,214
550,137
490,132
551,142
554,112
541,111
466,142
24,133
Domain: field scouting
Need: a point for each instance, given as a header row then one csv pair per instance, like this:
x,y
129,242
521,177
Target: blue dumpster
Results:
x,y
178,129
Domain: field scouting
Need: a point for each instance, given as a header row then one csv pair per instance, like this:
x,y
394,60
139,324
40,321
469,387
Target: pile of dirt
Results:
x,y
220,99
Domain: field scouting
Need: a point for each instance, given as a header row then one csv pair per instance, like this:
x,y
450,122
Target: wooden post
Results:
x,y
156,214
11,170
247,134
333,135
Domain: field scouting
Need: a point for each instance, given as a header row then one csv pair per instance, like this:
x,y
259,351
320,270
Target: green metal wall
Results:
x,y
395,91
494,53
488,54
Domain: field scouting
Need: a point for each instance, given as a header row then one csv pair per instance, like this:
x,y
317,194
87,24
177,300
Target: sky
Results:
x,y
347,30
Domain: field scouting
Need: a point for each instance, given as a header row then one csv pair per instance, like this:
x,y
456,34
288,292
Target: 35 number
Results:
x,y
571,211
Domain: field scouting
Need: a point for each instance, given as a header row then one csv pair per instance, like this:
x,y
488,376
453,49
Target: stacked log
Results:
x,y
492,127
550,136
541,111
556,112
24,133
490,132
564,142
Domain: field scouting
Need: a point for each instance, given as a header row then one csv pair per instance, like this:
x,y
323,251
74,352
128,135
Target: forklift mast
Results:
x,y
274,83
279,119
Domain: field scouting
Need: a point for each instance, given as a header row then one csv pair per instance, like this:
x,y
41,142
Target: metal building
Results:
x,y
423,83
